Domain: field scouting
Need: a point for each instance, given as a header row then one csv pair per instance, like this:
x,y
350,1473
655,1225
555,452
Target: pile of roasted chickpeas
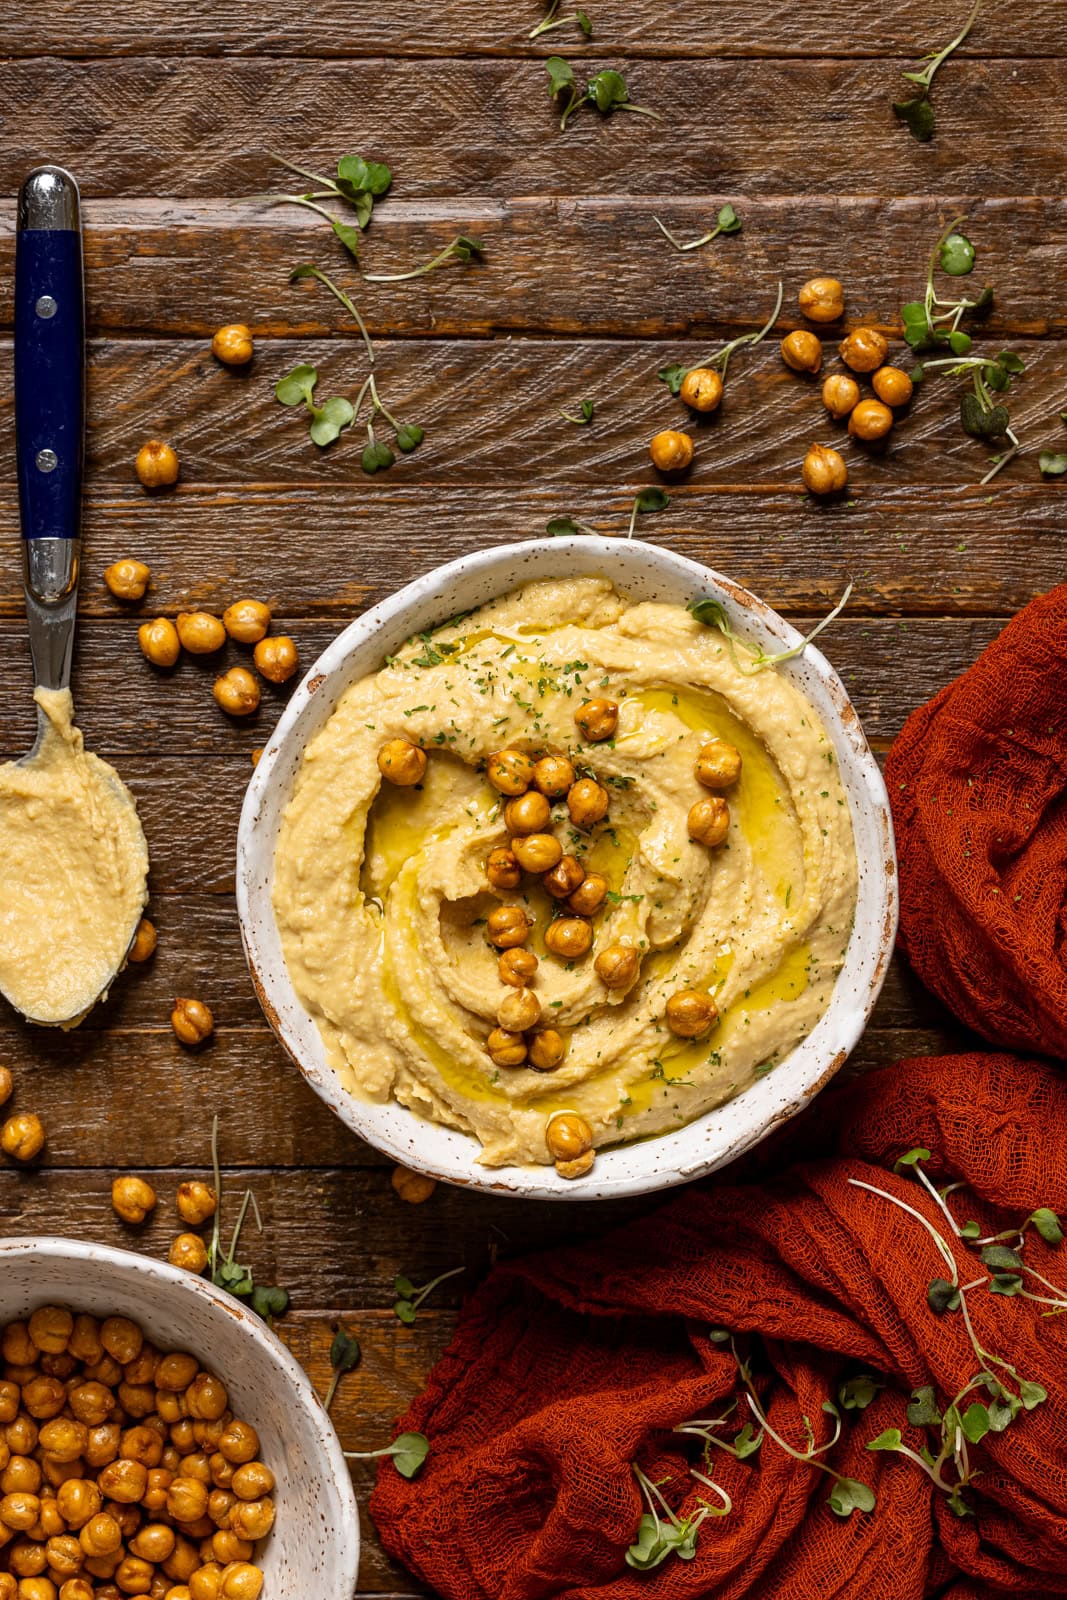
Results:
x,y
133,1199
123,1470
22,1135
530,785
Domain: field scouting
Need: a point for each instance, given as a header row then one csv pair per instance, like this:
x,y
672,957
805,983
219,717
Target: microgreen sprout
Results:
x,y
585,414
714,615
856,1394
410,1299
461,248
567,527
551,20
1053,463
918,113
328,420
744,1444
981,416
377,456
308,270
645,502
934,320
674,375
727,221
358,182
408,1452
662,1532
225,1271
345,1355
607,91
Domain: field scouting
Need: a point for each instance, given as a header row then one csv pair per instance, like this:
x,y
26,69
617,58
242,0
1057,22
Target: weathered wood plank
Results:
x,y
325,28
559,262
188,126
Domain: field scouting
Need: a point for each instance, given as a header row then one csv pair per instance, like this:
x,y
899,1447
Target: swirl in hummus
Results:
x,y
383,902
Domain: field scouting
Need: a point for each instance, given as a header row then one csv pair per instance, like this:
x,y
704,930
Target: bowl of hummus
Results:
x,y
568,871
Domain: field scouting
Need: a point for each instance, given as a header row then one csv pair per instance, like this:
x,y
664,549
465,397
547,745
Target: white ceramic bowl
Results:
x,y
644,572
314,1548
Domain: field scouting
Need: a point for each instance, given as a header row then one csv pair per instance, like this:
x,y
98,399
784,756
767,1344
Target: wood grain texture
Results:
x,y
324,28
191,126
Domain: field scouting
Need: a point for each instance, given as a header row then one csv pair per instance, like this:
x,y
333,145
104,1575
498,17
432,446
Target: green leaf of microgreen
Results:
x,y
410,1298
921,1410
747,1442
942,1296
720,1335
1053,463
922,123
848,1495
1001,1259
970,1230
333,416
980,421
608,90
917,116
673,376
297,387
975,1422
1010,361
857,1393
584,414
1047,1224
348,236
956,255
911,1158
959,342
583,21
1006,1283
345,1355
409,436
888,1440
560,75
268,1302
1032,1394
408,1452
376,457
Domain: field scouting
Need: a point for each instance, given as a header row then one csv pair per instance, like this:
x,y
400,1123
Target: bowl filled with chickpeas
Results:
x,y
157,1439
567,872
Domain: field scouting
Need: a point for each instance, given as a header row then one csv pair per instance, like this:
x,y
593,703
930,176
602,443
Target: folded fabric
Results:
x,y
571,1367
978,785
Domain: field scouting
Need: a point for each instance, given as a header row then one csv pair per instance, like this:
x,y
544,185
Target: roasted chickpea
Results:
x,y
170,1404
63,1439
79,1501
27,1558
709,821
44,1397
199,632
253,1480
527,813
840,394
132,1198
77,1589
21,1435
7,1085
197,1203
241,1581
892,386
124,1481
9,1395
187,1500
134,1576
91,1403
183,1434
22,1475
204,1582
256,754
506,1049
587,802
144,943
189,1252
863,349
822,300
276,657
9,1587
177,1369
701,389
232,345
415,1188
64,1555
617,966
22,1136
510,771
564,878
589,896
597,720
823,471
870,420
537,852
553,775
502,868
671,450
236,692
143,1444
192,1021
49,1328
252,1519
154,1542
691,1013
402,763
36,1588
517,967
206,1397
19,1510
122,1339
547,1048
507,926
247,621
227,1547
239,1442
127,579
157,464
568,1136
802,351
718,764
85,1340
221,1501
159,642
569,937
183,1563
519,1010
103,1445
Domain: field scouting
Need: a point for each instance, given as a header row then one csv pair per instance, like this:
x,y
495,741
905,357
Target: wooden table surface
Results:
x,y
165,114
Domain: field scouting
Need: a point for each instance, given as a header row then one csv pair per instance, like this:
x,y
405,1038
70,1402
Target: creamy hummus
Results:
x,y
75,865
381,894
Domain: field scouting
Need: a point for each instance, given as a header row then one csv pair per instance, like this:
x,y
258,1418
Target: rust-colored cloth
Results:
x,y
568,1366
978,785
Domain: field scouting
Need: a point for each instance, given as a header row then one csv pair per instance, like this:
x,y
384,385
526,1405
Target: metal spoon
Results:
x,y
49,420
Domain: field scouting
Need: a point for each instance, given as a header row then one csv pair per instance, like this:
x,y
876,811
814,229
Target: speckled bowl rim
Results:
x,y
644,571
142,1276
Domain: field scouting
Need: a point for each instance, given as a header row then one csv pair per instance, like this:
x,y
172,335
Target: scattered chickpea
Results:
x,y
192,1021
232,345
157,464
517,967
564,878
617,966
547,1048
863,349
144,942
200,633
553,775
402,763
892,386
568,1136
159,642
569,937
587,802
870,420
189,1252
510,772
701,389
822,299
718,764
414,1187
236,692
246,621
127,579
506,1049
507,926
256,755
802,351
537,852
22,1136
589,896
823,471
132,1198
276,657
519,1011
709,821
502,868
840,394
671,450
597,720
197,1203
7,1085
527,813
691,1013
